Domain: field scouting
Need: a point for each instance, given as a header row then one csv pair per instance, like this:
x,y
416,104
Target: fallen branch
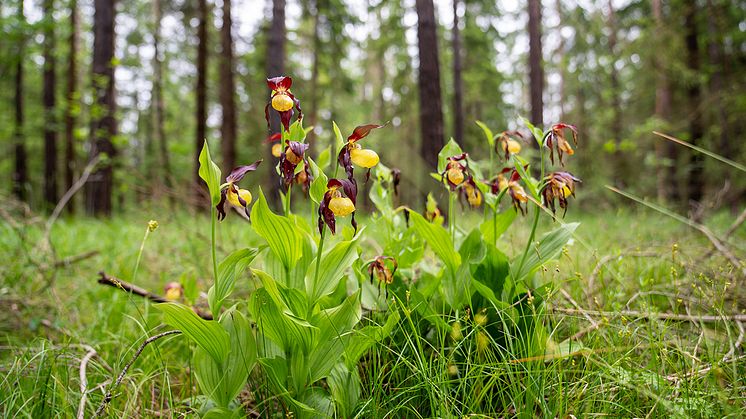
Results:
x,y
84,382
650,315
142,292
108,396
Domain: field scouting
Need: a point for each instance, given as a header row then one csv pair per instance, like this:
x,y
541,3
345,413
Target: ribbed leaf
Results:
x,y
207,334
318,184
449,150
331,269
210,173
229,269
281,235
549,247
495,226
487,133
359,341
438,239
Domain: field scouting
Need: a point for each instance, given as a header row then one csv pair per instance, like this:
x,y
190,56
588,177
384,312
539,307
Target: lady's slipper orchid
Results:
x,y
353,153
339,201
515,190
471,192
555,139
239,198
507,145
276,141
289,160
432,212
381,269
282,100
560,186
455,172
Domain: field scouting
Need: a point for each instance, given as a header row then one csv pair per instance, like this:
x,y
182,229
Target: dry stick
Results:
x,y
149,340
84,382
658,316
733,227
74,259
697,226
738,343
606,259
142,292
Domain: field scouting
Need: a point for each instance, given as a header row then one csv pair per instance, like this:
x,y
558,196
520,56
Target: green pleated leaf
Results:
x,y
449,150
281,235
331,269
359,341
345,388
548,248
496,226
318,184
231,267
438,239
207,334
487,133
210,173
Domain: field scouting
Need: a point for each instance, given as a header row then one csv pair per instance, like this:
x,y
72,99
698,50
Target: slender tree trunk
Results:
x,y
99,189
458,82
50,120
313,112
275,67
71,109
227,89
716,61
20,173
535,66
560,53
663,149
431,111
694,93
616,105
157,101
201,114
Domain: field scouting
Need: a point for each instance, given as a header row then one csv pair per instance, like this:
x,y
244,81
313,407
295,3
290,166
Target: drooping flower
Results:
x,y
514,189
282,100
173,291
432,212
507,145
339,201
231,193
555,139
353,153
293,155
276,141
455,171
304,178
471,192
383,268
560,186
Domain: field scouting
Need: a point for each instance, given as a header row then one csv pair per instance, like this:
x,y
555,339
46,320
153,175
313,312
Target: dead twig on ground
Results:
x,y
651,315
84,382
142,292
109,396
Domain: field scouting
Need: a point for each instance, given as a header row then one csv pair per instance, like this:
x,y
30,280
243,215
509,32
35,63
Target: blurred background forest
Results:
x,y
141,84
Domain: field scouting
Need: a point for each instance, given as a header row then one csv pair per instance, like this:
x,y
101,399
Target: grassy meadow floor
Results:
x,y
63,334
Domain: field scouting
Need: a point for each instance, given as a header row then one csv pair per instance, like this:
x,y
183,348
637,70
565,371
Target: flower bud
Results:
x,y
341,206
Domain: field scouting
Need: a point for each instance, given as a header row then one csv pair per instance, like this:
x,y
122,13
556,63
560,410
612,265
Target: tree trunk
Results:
x,y
71,109
663,149
616,105
50,120
227,89
431,112
275,67
20,174
716,60
157,102
535,66
694,93
458,82
103,125
201,114
313,112
560,54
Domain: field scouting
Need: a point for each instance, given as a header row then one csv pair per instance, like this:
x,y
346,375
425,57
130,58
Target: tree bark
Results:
x,y
431,111
157,102
663,149
458,82
313,112
20,173
227,89
99,189
275,64
71,109
50,120
535,66
201,114
716,60
560,53
616,104
696,184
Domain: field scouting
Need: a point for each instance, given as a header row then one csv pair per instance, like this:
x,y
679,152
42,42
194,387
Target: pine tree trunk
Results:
x,y
663,149
20,173
227,89
694,93
157,101
560,53
458,82
431,112
275,67
50,120
313,112
72,102
535,66
201,114
103,125
616,105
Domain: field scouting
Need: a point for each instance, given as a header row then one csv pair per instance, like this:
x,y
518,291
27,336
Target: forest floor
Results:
x,y
65,337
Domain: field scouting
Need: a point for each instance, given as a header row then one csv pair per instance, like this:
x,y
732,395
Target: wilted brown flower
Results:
x,y
560,186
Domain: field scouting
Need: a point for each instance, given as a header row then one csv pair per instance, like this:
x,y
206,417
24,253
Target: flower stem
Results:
x,y
287,200
494,224
213,245
535,222
318,256
451,218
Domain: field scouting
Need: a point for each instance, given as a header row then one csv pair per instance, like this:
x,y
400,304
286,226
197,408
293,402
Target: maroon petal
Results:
x,y
345,161
273,138
280,82
220,207
239,172
326,215
266,116
285,117
362,131
298,148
